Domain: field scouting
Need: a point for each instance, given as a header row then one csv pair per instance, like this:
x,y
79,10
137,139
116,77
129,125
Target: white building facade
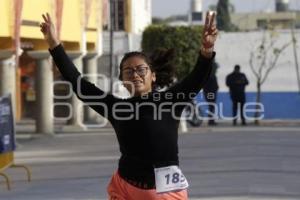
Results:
x,y
141,15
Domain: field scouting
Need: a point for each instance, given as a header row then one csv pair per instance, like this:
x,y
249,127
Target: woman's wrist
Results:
x,y
207,52
53,44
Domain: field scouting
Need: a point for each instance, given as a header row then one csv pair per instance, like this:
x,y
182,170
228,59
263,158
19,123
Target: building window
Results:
x,y
196,16
119,16
262,24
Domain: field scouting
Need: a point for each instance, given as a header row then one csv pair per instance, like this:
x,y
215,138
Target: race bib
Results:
x,y
169,178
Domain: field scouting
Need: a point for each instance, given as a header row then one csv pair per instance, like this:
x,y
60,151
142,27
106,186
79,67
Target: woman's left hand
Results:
x,y
209,35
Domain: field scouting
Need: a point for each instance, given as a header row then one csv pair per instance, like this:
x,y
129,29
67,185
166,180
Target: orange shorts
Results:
x,y
119,189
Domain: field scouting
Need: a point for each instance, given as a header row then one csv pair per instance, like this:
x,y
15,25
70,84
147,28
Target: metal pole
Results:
x,y
111,60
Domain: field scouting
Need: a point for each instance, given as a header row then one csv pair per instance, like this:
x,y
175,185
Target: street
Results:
x,y
219,163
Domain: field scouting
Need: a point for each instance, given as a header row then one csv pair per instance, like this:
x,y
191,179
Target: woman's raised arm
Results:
x,y
85,91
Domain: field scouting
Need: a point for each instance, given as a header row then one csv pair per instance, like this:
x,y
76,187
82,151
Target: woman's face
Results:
x,y
137,76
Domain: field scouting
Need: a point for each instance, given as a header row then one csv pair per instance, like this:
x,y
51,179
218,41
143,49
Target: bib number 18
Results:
x,y
169,178
175,178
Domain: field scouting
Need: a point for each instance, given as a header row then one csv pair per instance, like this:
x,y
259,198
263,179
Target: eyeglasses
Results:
x,y
141,71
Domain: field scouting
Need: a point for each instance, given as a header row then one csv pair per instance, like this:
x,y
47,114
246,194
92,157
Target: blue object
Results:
x,y
277,105
7,132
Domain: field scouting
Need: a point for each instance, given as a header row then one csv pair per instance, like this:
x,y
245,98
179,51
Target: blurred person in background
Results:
x,y
210,91
237,82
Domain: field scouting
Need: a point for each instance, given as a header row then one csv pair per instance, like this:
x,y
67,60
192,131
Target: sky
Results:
x,y
165,8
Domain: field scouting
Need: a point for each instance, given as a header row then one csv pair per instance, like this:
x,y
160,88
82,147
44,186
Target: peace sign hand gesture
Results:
x,y
48,30
209,35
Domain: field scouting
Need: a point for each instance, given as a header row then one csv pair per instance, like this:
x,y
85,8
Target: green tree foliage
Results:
x,y
184,40
223,16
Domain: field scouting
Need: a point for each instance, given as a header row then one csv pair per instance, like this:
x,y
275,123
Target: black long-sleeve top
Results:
x,y
148,136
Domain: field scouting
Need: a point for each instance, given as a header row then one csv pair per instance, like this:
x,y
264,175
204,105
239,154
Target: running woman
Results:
x,y
146,124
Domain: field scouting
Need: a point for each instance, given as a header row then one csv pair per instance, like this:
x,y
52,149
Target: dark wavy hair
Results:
x,y
161,61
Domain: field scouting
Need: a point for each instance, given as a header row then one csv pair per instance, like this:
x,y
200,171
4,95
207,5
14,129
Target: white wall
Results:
x,y
235,48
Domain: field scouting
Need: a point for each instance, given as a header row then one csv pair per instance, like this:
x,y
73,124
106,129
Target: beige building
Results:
x,y
256,21
26,70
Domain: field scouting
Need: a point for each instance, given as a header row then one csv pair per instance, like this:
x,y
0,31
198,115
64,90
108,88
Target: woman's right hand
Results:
x,y
48,30
209,35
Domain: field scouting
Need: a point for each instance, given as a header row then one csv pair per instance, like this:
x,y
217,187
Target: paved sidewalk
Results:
x,y
221,163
